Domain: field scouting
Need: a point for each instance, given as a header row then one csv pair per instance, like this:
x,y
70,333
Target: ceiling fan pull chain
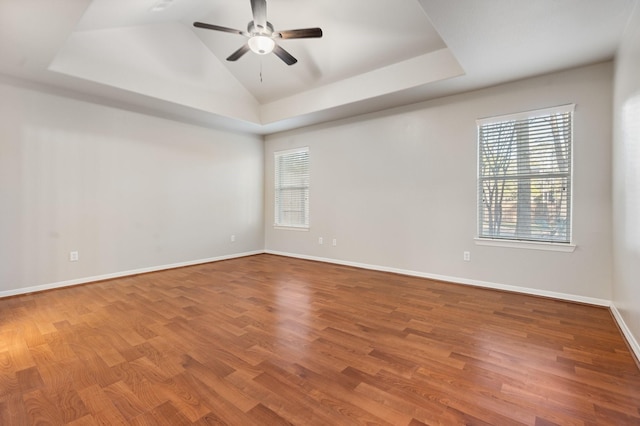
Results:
x,y
260,70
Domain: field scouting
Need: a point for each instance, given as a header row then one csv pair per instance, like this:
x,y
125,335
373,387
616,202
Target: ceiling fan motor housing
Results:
x,y
254,30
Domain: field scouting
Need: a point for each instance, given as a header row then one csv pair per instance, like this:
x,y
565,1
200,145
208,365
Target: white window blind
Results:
x,y
292,188
524,176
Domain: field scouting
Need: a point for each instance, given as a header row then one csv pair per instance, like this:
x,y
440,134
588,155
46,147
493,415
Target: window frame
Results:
x,y
277,220
505,241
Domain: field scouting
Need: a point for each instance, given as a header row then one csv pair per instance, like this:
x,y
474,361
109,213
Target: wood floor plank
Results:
x,y
100,406
29,379
168,414
280,341
184,397
40,409
8,380
12,410
265,416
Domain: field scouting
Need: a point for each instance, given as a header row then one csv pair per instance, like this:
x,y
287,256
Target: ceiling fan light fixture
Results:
x,y
261,45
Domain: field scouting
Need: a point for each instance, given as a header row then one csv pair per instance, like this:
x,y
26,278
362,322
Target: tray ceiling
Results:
x,y
374,53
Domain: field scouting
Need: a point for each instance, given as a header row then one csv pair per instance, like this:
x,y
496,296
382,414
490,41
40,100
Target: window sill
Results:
x,y
530,245
292,228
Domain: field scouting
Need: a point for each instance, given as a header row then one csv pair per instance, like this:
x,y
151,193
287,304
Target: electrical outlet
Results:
x,y
73,256
466,256
320,240
335,242
233,238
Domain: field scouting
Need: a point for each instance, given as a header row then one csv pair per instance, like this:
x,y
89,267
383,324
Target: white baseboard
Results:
x,y
631,340
456,280
86,280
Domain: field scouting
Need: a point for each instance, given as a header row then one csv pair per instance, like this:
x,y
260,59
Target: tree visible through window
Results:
x,y
292,188
524,176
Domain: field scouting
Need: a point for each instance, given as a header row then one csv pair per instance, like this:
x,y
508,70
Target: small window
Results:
x,y
292,188
524,176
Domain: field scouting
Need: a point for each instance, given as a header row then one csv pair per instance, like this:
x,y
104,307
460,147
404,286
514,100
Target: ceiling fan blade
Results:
x,y
218,28
301,33
259,9
239,53
284,55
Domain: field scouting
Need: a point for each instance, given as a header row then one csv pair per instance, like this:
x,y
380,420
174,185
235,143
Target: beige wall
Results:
x,y
626,180
397,189
126,190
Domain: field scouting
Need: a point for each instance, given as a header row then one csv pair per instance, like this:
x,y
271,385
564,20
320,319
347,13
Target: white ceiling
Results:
x,y
374,54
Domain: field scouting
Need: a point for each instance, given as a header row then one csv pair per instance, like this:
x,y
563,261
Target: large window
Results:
x,y
524,176
292,188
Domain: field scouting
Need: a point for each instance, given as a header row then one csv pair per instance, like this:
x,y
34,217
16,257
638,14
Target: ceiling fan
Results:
x,y
261,35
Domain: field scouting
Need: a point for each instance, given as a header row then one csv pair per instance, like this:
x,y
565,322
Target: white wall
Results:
x,y
127,191
626,180
398,189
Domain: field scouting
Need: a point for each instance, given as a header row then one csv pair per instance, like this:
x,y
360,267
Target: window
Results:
x,y
292,188
524,176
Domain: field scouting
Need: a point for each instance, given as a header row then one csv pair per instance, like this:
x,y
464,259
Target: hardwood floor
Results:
x,y
269,340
